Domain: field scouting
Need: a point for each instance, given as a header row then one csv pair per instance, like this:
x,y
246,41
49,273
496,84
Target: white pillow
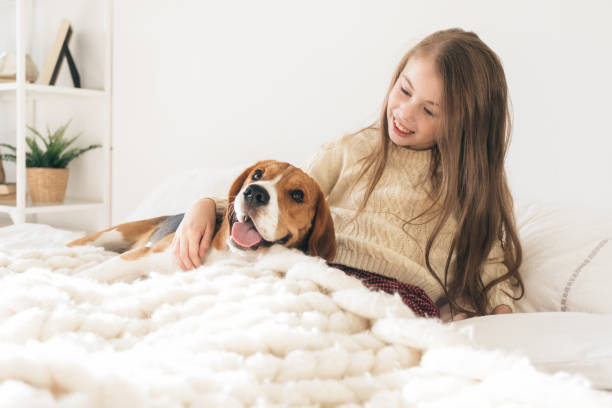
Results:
x,y
571,342
567,259
180,190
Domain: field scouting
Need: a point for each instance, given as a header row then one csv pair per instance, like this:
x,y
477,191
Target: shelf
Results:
x,y
37,89
70,204
63,100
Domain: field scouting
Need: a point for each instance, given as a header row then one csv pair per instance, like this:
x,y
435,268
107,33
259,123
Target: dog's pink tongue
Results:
x,y
245,234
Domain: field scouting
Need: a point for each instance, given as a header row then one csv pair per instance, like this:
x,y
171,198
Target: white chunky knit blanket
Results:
x,y
285,330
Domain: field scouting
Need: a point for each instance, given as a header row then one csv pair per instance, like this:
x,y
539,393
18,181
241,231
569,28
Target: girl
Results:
x,y
421,195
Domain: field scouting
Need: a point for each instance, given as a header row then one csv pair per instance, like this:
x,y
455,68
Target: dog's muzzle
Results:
x,y
255,196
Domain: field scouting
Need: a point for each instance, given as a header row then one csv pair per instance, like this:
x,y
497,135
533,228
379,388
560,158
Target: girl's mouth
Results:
x,y
401,130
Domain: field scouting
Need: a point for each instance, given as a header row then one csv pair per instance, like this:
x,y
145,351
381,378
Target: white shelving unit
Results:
x,y
25,94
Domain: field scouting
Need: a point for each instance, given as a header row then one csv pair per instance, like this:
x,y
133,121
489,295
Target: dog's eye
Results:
x,y
257,175
297,196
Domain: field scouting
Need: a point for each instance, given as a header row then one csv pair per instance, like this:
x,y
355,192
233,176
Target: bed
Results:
x,y
287,330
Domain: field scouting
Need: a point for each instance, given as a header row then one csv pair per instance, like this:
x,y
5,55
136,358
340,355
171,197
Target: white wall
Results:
x,y
203,83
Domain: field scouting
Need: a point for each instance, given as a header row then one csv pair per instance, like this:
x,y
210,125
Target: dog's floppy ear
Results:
x,y
220,239
322,240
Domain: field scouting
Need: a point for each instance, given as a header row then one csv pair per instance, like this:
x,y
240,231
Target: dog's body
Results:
x,y
269,203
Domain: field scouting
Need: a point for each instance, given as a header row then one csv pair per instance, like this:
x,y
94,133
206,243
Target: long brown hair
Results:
x,y
467,166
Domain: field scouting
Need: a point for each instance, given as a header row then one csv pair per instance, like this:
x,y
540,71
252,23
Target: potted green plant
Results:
x,y
47,172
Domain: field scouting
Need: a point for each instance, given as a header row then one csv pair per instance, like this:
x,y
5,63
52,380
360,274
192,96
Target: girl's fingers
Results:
x,y
184,255
177,253
459,316
193,251
205,242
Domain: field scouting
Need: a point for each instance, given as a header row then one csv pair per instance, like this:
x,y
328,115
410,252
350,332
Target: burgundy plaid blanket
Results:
x,y
412,296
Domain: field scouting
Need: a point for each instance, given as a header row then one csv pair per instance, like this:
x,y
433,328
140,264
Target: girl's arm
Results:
x,y
194,234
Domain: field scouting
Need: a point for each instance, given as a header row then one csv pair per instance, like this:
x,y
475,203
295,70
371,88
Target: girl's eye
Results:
x,y
297,196
407,93
257,175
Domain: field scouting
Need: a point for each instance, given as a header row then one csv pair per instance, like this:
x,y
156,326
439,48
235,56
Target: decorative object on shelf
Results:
x,y
47,185
8,197
56,57
8,68
7,190
47,175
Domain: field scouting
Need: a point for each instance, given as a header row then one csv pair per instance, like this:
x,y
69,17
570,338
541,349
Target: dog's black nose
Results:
x,y
255,195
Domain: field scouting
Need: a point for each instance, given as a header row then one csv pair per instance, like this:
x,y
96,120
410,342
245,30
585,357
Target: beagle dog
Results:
x,y
270,203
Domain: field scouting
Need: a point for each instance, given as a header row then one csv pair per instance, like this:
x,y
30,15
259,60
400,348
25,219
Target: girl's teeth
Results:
x,y
400,127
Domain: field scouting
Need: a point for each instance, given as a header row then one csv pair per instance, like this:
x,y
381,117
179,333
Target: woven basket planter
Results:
x,y
47,185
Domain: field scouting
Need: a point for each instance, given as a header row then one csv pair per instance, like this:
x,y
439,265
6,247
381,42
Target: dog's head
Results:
x,y
274,202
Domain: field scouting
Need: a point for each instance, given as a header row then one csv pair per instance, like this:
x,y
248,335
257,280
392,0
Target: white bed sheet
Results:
x,y
554,341
28,236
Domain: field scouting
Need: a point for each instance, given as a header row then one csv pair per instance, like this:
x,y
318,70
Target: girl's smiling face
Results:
x,y
413,108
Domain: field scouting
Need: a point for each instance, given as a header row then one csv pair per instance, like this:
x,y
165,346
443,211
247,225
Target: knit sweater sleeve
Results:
x,y
502,292
326,166
220,207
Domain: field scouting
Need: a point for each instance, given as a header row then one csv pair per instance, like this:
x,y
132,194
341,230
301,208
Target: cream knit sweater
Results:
x,y
381,239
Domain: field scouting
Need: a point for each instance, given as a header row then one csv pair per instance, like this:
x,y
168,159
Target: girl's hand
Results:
x,y
447,316
501,309
194,234
459,316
